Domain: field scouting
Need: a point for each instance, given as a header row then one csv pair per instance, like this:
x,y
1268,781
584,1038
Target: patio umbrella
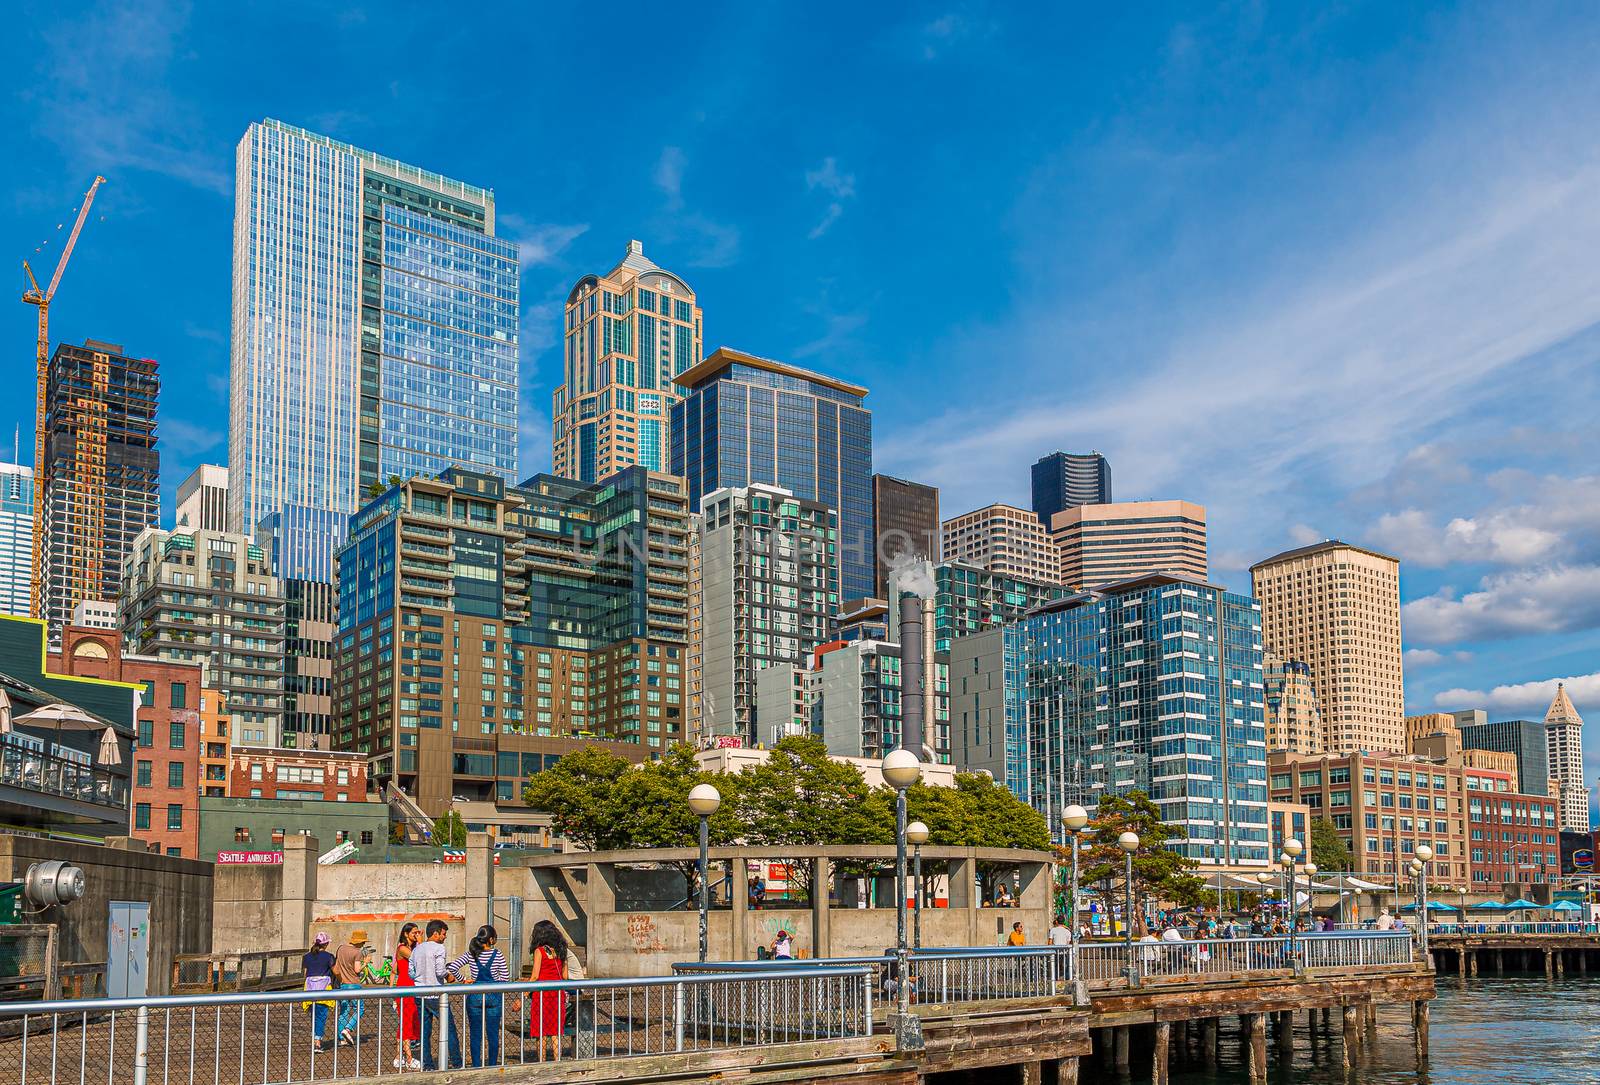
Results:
x,y
5,712
1566,906
63,717
110,748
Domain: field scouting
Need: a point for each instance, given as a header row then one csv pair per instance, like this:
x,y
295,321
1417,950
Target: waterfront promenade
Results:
x,y
1034,1012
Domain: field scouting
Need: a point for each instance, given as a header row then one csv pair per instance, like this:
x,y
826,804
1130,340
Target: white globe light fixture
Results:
x,y
704,800
916,834
1074,818
901,769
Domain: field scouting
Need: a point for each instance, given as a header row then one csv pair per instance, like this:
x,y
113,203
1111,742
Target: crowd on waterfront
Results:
x,y
419,960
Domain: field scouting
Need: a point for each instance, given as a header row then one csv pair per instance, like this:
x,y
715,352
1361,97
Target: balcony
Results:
x,y
42,789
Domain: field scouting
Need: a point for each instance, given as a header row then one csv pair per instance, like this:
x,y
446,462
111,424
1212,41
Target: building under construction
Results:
x,y
100,473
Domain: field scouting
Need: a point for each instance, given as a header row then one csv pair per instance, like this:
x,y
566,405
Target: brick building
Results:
x,y
1384,805
1513,839
165,807
266,772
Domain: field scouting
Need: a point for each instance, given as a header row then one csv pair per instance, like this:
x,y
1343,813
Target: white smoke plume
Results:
x,y
912,573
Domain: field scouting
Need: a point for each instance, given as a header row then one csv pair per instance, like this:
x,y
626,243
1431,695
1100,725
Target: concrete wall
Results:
x,y
177,890
247,910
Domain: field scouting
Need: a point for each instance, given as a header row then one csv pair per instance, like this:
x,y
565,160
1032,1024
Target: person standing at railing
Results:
x,y
483,963
1059,934
347,964
317,965
428,970
547,1010
410,1027
1016,937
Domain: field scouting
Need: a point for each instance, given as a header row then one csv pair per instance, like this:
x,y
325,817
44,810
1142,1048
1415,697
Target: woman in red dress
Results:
x,y
547,1010
410,1026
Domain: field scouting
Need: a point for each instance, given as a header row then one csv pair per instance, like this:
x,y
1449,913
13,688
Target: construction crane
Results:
x,y
34,296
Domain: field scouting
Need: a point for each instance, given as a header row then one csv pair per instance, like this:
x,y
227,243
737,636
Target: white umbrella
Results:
x,y
5,712
62,716
110,748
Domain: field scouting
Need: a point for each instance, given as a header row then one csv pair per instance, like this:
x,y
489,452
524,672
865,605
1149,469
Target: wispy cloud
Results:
x,y
710,242
669,175
182,439
838,330
540,243
1526,699
944,33
106,101
840,186
1428,657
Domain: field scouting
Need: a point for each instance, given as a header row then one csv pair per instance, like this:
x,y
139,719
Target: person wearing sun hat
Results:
x,y
318,968
347,971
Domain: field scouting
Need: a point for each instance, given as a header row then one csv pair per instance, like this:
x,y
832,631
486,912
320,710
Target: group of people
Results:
x,y
421,961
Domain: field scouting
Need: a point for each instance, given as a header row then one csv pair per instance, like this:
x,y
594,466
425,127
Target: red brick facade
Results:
x,y
165,810
262,772
1513,839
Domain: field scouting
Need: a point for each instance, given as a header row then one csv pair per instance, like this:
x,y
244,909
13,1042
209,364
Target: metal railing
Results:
x,y
990,973
36,770
290,1037
1500,927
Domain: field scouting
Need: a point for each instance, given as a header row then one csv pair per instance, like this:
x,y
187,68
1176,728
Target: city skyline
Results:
x,y
1499,580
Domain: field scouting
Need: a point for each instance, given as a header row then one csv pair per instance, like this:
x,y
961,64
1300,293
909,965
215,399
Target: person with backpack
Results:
x,y
482,963
317,965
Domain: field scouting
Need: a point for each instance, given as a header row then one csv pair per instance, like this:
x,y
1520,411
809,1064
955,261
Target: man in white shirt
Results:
x,y
428,970
1059,934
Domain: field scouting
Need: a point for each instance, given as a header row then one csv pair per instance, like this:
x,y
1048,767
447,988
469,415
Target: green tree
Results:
x,y
449,831
1158,871
1328,849
799,796
579,792
375,488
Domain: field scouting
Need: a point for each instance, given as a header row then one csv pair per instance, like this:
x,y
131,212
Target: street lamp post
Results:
x,y
1424,857
1311,873
1129,843
901,769
1074,819
916,836
703,802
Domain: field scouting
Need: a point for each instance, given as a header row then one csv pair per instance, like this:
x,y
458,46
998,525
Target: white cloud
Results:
x,y
711,243
540,243
1526,699
1428,657
942,34
841,186
669,175
1530,602
105,99
1305,535
182,439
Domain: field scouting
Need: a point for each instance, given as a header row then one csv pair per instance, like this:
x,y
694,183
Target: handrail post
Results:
x,y
677,1013
141,1048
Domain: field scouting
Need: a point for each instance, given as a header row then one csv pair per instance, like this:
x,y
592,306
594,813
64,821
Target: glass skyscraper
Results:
x,y
1154,684
746,420
16,538
374,334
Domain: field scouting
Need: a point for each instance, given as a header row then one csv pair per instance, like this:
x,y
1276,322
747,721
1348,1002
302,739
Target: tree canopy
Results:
x,y
449,831
1328,849
1158,871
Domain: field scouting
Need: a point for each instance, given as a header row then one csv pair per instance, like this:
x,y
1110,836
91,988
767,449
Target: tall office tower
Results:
x,y
1062,480
1002,539
1563,729
1294,721
1082,699
311,614
16,538
100,480
746,420
374,334
905,516
1336,608
628,334
209,597
1103,544
203,500
1524,739
769,585
528,616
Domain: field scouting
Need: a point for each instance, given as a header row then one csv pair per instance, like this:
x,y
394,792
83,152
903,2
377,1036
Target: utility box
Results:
x,y
10,903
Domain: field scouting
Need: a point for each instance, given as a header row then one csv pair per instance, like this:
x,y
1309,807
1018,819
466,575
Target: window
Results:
x,y
277,836
174,773
366,836
241,834
141,815
174,816
175,735
180,695
146,734
142,775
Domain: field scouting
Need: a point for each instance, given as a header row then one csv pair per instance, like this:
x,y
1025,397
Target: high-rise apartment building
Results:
x,y
1525,740
1155,684
1062,480
1294,721
311,615
1104,544
1002,539
628,334
769,587
16,539
1336,608
375,321
968,600
905,516
203,500
746,420
209,597
1563,729
861,701
99,485
522,614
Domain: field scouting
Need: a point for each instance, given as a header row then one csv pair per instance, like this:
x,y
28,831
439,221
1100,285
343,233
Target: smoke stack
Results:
x,y
911,691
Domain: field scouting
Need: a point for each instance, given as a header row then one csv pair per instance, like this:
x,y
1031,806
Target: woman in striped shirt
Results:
x,y
482,963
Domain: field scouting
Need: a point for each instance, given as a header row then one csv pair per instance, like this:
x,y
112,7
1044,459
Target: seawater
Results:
x,y
1511,1030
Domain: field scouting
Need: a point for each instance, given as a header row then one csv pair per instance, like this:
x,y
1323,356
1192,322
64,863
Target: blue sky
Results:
x,y
1330,271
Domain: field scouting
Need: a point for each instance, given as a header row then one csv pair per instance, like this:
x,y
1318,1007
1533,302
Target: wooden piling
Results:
x,y
1159,1052
1208,1041
1285,1036
1032,1073
1258,1049
1120,1048
1067,1072
1352,1037
1419,1026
